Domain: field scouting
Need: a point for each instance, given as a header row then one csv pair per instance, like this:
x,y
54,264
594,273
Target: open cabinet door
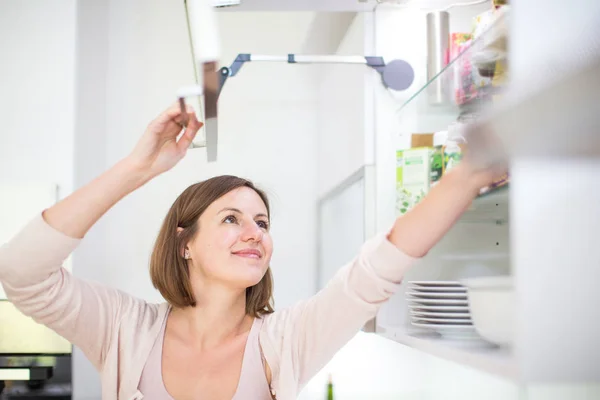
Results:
x,y
205,52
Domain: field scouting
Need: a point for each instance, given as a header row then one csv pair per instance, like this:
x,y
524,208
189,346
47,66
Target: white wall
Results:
x,y
266,133
37,81
341,140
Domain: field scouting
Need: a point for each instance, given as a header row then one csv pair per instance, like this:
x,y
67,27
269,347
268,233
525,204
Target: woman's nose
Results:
x,y
252,232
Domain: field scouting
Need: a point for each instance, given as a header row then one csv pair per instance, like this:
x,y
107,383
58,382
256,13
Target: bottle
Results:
x,y
330,388
454,147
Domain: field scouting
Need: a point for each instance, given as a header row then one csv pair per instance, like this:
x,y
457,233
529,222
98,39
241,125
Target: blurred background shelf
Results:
x,y
557,118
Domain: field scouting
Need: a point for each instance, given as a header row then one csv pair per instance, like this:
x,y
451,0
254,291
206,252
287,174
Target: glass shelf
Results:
x,y
472,80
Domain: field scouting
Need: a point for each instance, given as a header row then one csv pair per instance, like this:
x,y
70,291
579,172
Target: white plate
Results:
x,y
444,327
451,321
438,289
418,314
449,302
449,309
458,296
436,283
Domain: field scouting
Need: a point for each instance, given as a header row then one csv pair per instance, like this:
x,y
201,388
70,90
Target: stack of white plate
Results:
x,y
442,307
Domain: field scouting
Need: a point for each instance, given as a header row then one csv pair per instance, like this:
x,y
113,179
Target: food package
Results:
x,y
413,174
421,140
464,88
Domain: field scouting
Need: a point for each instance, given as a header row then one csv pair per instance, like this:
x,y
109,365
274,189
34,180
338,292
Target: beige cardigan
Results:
x,y
116,331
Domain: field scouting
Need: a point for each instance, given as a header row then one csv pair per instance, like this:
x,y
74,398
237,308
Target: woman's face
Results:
x,y
232,245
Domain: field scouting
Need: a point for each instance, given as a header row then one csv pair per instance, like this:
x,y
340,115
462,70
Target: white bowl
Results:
x,y
492,308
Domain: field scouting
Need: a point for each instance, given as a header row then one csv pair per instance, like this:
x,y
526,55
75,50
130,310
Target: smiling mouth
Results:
x,y
254,254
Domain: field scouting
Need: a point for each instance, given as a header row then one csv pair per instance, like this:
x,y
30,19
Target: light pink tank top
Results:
x,y
252,385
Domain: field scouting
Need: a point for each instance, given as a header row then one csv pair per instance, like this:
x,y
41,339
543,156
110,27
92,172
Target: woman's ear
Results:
x,y
184,251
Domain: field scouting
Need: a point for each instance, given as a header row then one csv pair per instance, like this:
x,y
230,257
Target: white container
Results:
x,y
492,308
440,138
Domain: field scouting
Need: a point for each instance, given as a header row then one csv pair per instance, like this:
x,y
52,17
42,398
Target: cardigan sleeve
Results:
x,y
34,280
300,340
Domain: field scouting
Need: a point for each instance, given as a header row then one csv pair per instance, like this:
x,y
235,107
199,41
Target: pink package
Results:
x,y
464,86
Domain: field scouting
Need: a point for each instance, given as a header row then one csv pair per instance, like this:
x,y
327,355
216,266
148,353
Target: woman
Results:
x,y
217,336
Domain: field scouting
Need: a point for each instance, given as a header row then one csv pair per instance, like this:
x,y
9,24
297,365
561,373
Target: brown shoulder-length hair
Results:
x,y
169,270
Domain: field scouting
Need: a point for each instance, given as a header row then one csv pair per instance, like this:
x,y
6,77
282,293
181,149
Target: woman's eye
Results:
x,y
263,224
231,219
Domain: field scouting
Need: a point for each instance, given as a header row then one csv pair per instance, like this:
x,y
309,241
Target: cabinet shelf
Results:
x,y
492,360
470,81
492,206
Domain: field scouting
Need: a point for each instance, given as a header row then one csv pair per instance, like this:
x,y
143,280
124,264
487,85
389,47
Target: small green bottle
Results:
x,y
330,388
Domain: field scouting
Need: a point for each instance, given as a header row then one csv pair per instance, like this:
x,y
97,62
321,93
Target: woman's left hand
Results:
x,y
478,177
485,159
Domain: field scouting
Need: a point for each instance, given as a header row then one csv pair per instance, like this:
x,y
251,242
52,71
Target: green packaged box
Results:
x,y
417,170
412,177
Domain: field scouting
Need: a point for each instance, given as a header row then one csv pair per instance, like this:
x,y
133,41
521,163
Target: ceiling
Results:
x,y
304,5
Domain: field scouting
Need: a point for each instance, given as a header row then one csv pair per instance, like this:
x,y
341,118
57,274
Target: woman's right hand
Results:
x,y
158,150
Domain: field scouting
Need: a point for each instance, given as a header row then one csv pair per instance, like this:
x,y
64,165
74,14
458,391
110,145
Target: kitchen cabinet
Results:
x,y
535,230
479,244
